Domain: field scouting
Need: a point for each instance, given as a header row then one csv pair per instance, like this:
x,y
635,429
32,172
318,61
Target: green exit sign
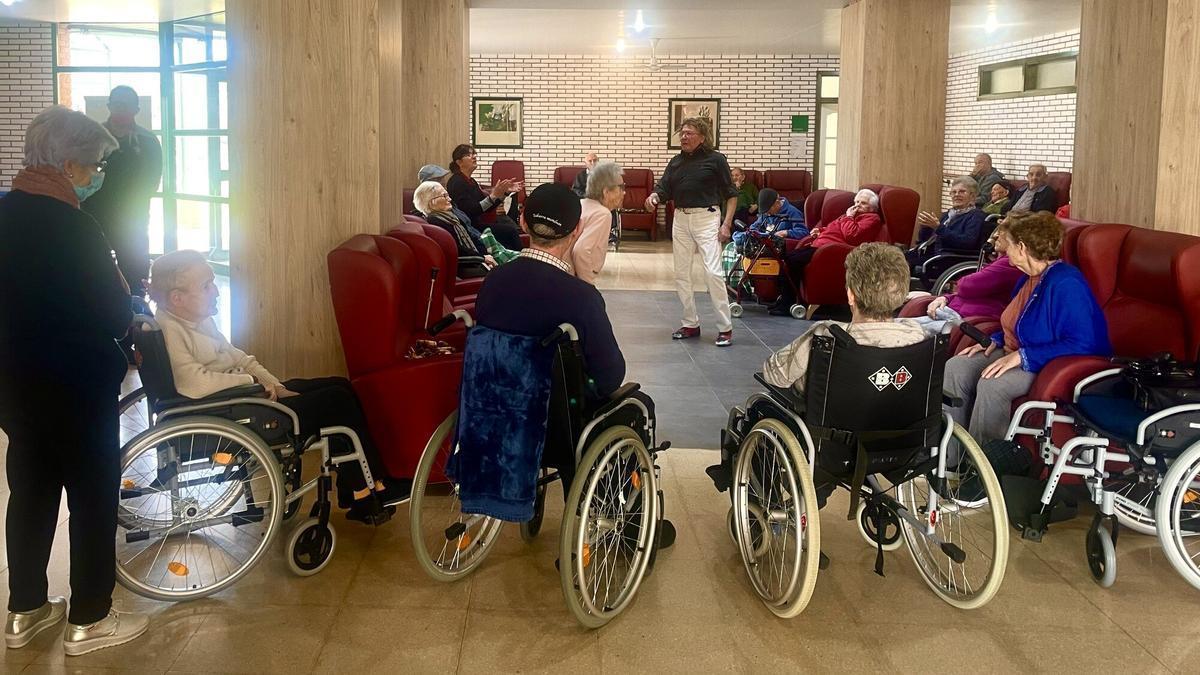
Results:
x,y
799,124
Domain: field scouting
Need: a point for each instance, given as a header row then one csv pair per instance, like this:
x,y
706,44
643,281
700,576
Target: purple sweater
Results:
x,y
986,292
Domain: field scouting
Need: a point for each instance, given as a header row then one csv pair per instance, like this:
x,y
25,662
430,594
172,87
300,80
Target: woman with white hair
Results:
x,y
605,192
433,203
959,228
63,306
859,225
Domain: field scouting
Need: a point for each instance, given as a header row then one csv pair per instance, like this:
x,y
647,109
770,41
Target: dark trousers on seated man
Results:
x,y
794,262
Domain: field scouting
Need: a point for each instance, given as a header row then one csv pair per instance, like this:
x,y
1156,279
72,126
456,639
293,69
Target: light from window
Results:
x,y
1036,76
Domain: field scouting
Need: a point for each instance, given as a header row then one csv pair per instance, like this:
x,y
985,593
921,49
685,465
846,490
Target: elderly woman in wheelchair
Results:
x,y
859,406
215,465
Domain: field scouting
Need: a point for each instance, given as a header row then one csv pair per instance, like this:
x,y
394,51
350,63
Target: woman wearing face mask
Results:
x,y
63,305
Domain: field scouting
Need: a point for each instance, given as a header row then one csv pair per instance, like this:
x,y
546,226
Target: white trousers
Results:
x,y
696,230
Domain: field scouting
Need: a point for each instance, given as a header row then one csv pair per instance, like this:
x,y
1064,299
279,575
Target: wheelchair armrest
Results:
x,y
952,401
614,399
241,391
785,394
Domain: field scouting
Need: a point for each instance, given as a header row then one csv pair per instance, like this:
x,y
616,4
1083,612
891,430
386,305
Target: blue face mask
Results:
x,y
90,189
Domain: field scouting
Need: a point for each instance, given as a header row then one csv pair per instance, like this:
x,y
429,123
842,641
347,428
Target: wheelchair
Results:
x,y
613,515
950,265
206,484
870,421
1140,468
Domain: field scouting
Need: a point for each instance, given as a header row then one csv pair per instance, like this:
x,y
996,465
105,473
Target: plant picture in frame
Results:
x,y
679,109
497,122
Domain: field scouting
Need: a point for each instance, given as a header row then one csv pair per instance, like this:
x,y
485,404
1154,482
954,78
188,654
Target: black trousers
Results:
x,y
331,401
507,232
614,230
794,264
72,444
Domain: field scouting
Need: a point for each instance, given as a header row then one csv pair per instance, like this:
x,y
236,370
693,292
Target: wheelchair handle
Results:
x,y
558,333
448,320
975,334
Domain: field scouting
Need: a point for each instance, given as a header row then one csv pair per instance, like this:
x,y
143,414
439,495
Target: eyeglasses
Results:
x,y
622,186
688,133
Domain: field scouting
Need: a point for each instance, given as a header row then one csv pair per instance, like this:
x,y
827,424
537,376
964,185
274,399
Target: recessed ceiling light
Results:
x,y
620,45
7,3
639,23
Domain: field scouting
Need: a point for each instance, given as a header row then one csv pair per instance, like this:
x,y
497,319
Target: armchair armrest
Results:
x,y
825,275
1057,379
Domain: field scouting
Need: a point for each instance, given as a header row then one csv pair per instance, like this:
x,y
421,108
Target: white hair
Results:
x,y
606,174
424,194
871,197
168,268
59,134
967,182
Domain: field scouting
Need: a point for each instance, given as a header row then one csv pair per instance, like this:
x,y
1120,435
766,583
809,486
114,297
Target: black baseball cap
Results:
x,y
552,211
766,199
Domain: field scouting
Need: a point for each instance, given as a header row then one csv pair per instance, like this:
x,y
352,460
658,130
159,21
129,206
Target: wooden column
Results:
x,y
1179,145
436,72
304,108
892,105
1119,111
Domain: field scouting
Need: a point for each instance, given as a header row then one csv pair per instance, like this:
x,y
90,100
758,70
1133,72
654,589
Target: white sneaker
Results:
x,y
22,627
115,629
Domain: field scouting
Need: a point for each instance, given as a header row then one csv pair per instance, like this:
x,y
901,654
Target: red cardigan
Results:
x,y
854,230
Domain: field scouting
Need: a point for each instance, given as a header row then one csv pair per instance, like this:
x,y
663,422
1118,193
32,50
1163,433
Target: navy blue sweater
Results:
x,y
530,297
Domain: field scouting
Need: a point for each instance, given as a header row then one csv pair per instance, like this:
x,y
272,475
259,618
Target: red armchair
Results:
x,y
565,175
373,284
407,197
461,293
1059,181
639,183
792,184
512,169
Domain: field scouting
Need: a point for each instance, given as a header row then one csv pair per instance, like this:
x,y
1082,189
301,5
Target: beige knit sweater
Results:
x,y
202,360
788,366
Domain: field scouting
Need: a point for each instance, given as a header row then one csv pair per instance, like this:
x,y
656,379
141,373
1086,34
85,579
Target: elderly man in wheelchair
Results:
x,y
212,447
541,399
859,406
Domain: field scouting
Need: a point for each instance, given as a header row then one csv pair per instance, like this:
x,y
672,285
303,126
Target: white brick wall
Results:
x,y
26,88
1015,131
616,107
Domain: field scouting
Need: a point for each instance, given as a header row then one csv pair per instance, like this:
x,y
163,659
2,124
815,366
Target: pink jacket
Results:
x,y
986,292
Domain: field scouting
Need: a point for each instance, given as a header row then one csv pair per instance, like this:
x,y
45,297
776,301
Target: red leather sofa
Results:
x,y
566,174
825,277
373,284
793,185
639,183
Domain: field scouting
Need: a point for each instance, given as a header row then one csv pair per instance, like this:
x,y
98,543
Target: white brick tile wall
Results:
x,y
26,88
1015,131
614,106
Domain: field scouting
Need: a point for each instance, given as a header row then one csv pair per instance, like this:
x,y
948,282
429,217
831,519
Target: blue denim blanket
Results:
x,y
502,413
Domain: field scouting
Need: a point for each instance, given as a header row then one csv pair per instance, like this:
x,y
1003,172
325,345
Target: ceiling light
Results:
x,y
639,23
991,24
9,3
620,45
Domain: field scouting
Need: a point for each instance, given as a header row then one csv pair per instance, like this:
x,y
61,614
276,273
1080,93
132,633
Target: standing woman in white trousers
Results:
x,y
699,181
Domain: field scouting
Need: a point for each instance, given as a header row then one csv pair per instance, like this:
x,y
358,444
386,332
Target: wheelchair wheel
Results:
x,y
201,499
777,525
1177,514
134,411
798,311
963,561
869,529
609,527
531,527
1101,556
1134,504
310,547
953,274
448,543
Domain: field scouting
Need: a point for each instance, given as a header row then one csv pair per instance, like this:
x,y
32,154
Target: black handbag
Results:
x,y
1160,382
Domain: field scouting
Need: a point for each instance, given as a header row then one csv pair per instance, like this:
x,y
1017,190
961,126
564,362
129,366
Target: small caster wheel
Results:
x,y
735,310
530,528
310,547
799,311
870,530
1101,556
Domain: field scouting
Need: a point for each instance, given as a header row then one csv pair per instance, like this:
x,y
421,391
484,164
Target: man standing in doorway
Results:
x,y
699,181
122,205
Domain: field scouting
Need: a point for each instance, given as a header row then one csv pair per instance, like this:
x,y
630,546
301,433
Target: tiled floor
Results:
x,y
373,610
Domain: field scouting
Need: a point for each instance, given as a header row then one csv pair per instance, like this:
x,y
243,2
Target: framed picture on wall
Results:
x,y
497,122
679,109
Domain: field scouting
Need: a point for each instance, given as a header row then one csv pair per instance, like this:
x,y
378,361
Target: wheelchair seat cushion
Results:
x,y
1117,417
503,404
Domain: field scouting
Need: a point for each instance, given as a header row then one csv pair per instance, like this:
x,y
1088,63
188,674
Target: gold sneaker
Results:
x,y
115,629
22,627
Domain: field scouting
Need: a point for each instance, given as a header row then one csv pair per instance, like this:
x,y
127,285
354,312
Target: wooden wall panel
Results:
x,y
304,157
392,174
893,93
436,72
1118,111
1179,148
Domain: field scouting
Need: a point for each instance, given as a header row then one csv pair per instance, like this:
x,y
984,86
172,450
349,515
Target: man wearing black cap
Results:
x,y
538,290
776,215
